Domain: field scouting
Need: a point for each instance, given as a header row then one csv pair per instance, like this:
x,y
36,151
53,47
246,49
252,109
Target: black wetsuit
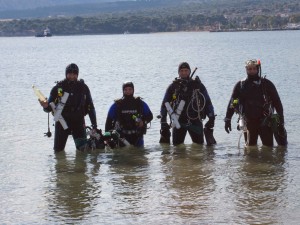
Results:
x,y
191,117
79,103
256,97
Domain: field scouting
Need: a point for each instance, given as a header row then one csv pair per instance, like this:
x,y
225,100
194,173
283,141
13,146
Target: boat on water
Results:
x,y
45,33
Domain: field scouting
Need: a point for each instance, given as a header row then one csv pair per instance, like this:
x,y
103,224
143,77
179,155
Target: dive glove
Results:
x,y
210,123
227,125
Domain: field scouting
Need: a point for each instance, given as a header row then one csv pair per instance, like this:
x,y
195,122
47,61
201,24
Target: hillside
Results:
x,y
146,16
29,9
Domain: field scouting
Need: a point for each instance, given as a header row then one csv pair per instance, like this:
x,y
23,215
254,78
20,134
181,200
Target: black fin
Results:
x,y
209,136
281,137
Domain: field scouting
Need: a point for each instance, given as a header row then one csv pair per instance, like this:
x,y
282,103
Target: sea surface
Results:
x,y
193,184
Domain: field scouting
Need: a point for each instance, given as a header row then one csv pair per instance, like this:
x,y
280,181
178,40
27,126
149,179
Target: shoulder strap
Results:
x,y
59,83
242,84
264,90
118,101
140,102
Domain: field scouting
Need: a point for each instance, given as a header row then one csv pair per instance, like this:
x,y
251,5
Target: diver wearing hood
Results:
x,y
255,99
78,104
129,116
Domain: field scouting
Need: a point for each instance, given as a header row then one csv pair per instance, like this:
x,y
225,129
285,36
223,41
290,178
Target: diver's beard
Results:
x,y
72,82
253,77
128,96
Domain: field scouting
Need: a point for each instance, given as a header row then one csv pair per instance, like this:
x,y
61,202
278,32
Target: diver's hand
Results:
x,y
140,124
44,104
210,123
227,125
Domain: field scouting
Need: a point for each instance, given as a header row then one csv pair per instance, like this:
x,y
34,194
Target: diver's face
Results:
x,y
128,91
184,73
72,76
252,70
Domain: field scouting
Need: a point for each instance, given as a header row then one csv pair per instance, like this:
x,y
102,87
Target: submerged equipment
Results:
x,y
95,140
113,139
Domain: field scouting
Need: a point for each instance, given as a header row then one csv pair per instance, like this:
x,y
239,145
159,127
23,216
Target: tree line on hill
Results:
x,y
188,18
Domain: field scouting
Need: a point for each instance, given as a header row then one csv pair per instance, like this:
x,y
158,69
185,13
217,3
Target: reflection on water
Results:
x,y
258,186
73,193
190,181
184,185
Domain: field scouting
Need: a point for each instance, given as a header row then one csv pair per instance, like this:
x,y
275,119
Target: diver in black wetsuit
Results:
x,y
196,108
255,99
78,104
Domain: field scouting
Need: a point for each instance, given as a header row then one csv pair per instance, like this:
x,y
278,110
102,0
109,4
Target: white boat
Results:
x,y
45,33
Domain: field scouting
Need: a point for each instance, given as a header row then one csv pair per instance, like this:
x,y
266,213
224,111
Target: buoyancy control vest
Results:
x,y
76,102
188,90
128,109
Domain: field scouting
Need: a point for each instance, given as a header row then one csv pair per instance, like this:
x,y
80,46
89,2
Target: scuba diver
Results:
x,y
187,102
255,99
128,118
69,101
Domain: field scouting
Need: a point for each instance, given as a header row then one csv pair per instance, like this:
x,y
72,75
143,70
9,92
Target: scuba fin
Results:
x,y
164,140
165,135
281,136
279,131
209,136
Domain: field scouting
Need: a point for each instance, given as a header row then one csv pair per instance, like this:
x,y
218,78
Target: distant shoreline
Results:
x,y
246,30
161,32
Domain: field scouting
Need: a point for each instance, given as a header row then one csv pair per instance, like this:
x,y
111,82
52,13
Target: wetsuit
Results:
x,y
121,118
79,103
197,107
257,99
